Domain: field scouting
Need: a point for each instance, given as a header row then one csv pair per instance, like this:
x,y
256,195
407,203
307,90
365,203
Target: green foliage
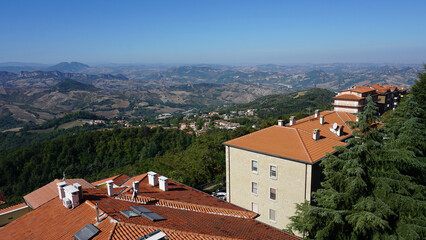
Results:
x,y
67,85
376,188
55,122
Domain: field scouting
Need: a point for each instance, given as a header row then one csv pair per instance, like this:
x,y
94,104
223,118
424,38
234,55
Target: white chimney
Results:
x,y
322,120
357,118
71,193
110,187
292,121
152,178
61,190
316,134
164,183
280,123
80,190
317,113
136,187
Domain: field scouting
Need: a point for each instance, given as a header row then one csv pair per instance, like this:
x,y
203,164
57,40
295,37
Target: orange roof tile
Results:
x,y
330,117
296,142
348,97
53,221
185,221
125,231
44,194
13,208
286,142
118,180
359,89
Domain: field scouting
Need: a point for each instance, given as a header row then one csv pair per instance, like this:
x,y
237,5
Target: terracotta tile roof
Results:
x,y
181,193
184,220
359,89
191,221
125,231
49,191
118,180
53,221
135,178
2,198
348,97
330,117
13,208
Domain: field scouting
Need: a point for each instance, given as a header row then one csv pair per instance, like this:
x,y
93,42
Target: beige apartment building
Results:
x,y
271,170
353,100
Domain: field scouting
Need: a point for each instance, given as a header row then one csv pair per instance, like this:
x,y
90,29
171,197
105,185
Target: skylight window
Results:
x,y
137,211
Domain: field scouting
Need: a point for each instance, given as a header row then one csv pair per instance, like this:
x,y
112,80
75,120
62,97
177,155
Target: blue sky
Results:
x,y
213,31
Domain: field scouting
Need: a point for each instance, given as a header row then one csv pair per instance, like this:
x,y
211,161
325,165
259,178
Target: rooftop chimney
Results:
x,y
110,186
322,120
152,178
280,123
80,191
357,118
317,113
71,194
292,121
164,183
136,187
316,134
61,190
340,131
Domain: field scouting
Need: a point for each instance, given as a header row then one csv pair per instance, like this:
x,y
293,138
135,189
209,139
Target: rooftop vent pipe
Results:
x,y
152,178
317,113
110,187
292,121
322,120
164,183
280,123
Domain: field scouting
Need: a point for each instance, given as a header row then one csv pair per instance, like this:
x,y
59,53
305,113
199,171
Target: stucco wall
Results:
x,y
293,184
11,216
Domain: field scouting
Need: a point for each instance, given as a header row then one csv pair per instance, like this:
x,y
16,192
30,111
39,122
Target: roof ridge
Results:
x,y
303,144
173,230
344,122
252,133
189,206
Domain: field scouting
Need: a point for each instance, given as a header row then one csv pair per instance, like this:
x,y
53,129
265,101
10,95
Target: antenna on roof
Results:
x,y
63,176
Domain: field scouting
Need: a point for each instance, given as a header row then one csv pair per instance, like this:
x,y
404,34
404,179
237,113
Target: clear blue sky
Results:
x,y
216,31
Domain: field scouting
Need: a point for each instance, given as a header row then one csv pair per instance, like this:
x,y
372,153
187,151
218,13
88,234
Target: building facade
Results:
x,y
271,170
353,100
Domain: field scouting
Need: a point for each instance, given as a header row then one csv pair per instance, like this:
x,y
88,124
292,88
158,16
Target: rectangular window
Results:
x,y
254,166
254,207
254,187
272,215
273,171
273,193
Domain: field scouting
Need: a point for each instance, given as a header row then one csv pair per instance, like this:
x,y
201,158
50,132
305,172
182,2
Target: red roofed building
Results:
x,y
154,207
271,170
353,100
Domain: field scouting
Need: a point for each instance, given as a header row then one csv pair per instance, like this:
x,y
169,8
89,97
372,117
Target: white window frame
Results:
x,y
270,171
252,188
274,215
252,166
254,207
270,192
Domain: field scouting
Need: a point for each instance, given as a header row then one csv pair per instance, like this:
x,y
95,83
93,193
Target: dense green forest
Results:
x,y
36,155
376,189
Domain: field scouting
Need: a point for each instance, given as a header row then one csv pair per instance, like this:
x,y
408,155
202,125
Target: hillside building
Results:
x,y
148,206
271,170
353,100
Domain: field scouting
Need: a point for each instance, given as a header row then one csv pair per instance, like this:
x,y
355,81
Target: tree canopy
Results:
x,y
375,188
